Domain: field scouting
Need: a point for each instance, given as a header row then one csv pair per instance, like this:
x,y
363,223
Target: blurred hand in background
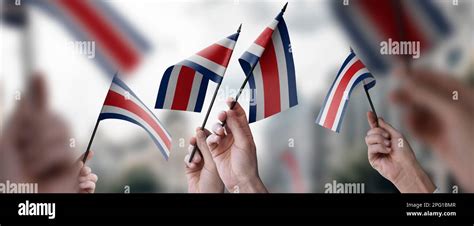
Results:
x,y
391,155
439,111
35,146
201,172
233,150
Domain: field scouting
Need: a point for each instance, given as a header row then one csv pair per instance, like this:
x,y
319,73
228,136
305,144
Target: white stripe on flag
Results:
x,y
256,49
216,68
120,111
273,25
194,91
334,87
226,42
259,92
118,89
169,97
282,71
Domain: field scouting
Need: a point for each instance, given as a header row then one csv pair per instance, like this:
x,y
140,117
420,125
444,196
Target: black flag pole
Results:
x,y
370,100
247,78
96,124
210,107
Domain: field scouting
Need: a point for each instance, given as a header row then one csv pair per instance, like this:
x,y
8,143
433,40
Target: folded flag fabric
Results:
x,y
371,22
351,73
271,70
119,45
184,85
122,103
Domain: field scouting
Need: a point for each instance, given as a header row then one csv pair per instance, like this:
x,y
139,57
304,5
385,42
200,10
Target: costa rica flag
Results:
x,y
351,73
184,85
269,65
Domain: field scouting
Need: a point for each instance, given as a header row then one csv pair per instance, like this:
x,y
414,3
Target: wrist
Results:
x,y
413,179
249,185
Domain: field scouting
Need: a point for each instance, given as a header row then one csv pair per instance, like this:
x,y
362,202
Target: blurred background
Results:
x,y
294,153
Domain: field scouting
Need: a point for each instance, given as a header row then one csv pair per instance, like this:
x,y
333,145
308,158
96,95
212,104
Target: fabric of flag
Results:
x,y
271,70
122,103
370,22
351,73
118,45
184,85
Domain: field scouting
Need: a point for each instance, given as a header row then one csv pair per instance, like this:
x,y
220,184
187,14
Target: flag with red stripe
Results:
x,y
184,85
122,103
271,70
370,22
118,45
351,73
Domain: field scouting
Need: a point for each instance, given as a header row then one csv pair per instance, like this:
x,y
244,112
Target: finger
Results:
x,y
212,142
222,116
237,111
377,139
218,129
77,167
443,83
190,165
90,177
85,171
378,131
378,149
372,119
202,145
206,132
192,141
197,157
237,123
87,185
388,128
38,92
427,95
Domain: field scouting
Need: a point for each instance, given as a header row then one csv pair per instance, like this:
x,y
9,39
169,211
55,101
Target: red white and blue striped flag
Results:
x,y
184,85
271,70
370,22
122,103
119,45
351,73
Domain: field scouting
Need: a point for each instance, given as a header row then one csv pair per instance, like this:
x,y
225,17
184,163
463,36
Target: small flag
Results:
x,y
119,46
351,73
184,85
122,103
271,70
372,22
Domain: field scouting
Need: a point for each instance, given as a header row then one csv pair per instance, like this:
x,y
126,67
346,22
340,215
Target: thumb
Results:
x,y
237,111
201,136
37,92
237,122
371,119
79,161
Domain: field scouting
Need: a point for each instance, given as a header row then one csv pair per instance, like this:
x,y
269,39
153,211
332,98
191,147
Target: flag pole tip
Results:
x,y
240,28
284,7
